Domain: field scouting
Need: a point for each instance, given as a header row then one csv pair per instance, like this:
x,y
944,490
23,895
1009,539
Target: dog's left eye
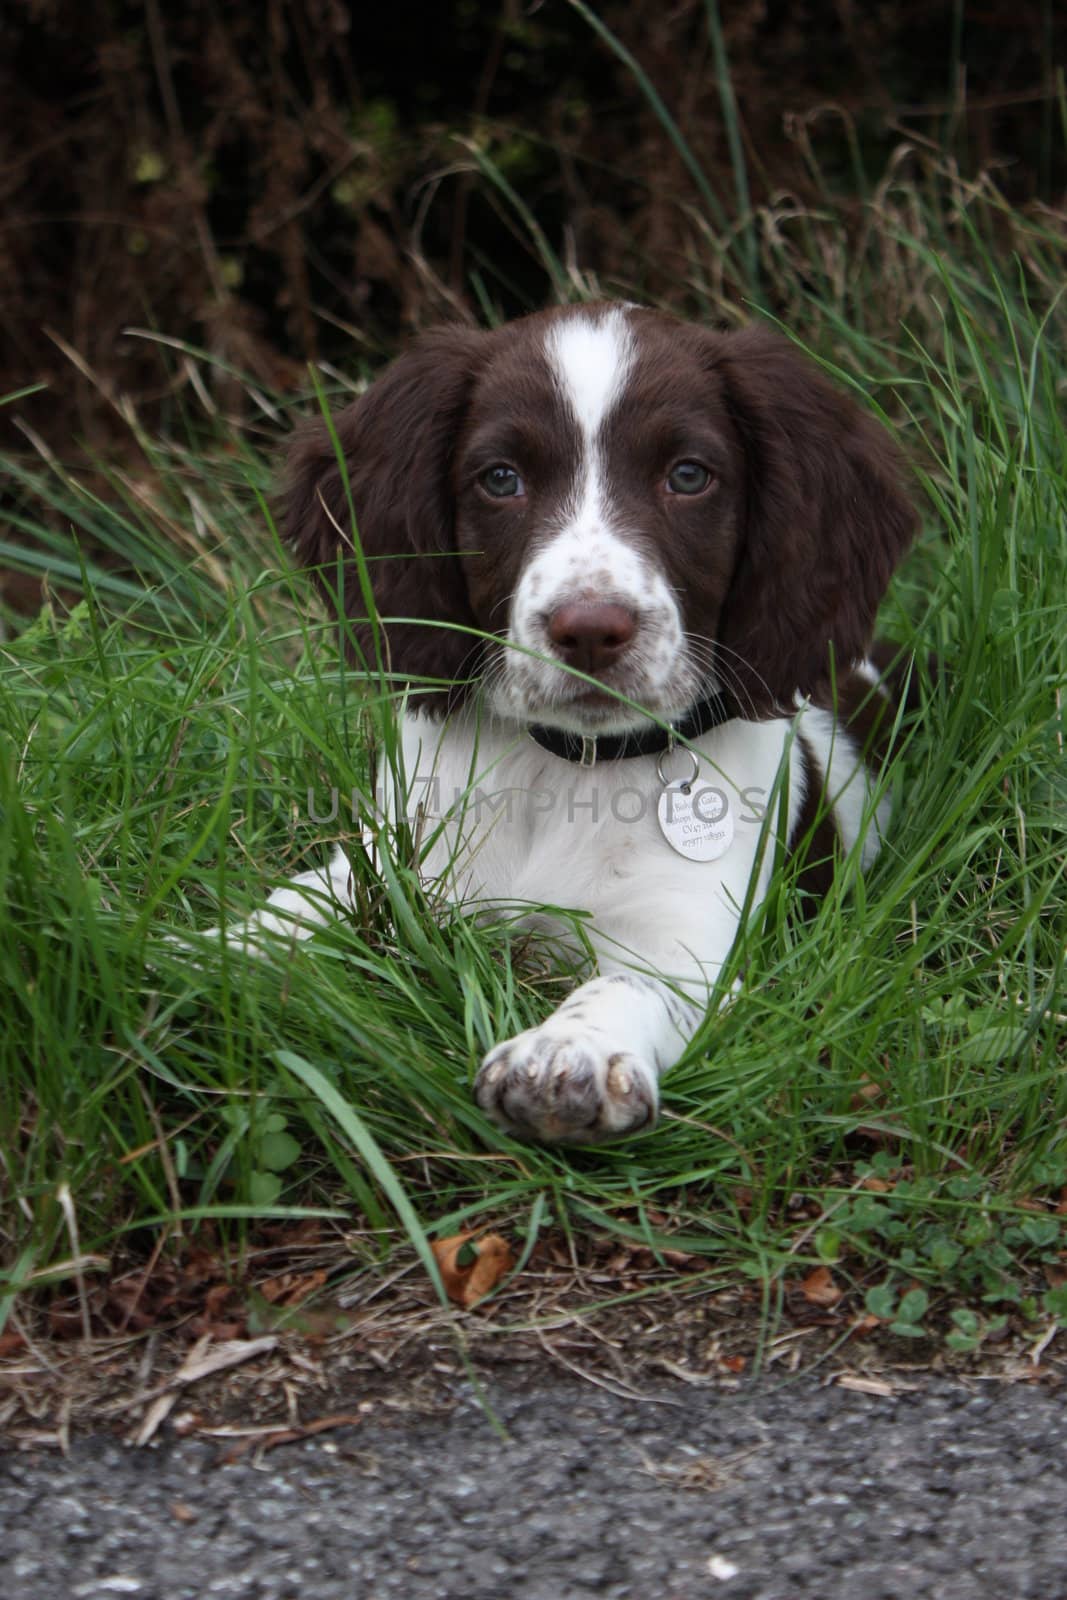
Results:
x,y
688,477
502,482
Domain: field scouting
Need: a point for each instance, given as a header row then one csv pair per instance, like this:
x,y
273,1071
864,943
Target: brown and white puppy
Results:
x,y
592,527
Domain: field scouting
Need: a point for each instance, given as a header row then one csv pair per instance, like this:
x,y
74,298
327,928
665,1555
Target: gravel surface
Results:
x,y
780,1491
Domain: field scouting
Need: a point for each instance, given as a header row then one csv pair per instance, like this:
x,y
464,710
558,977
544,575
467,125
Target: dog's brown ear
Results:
x,y
826,519
398,442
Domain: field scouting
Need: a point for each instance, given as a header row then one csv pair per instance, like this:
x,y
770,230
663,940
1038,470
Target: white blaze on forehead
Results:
x,y
590,357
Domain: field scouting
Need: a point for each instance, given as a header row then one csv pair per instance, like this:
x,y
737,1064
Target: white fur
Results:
x,y
848,786
590,357
870,674
536,829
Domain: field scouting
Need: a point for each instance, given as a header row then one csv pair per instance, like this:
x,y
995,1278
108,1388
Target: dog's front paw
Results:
x,y
559,1083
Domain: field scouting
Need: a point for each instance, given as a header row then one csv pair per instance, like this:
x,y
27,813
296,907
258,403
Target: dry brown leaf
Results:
x,y
154,1418
263,1439
819,1288
290,1288
203,1360
866,1092
861,1385
470,1267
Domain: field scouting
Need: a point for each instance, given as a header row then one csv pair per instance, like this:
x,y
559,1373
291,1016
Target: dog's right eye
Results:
x,y
502,482
688,477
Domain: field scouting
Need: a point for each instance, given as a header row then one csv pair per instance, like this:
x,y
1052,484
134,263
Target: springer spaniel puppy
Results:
x,y
629,569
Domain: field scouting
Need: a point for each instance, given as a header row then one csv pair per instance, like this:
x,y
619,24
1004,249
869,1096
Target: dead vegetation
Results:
x,y
276,183
294,1337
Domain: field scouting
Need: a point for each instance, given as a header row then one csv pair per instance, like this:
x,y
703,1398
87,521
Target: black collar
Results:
x,y
588,749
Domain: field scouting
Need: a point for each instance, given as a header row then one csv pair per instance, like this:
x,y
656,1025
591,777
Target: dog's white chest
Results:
x,y
511,824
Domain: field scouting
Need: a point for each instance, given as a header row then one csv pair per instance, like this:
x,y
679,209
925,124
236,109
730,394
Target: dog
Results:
x,y
626,570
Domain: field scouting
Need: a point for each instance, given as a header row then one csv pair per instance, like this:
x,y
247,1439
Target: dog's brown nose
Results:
x,y
590,635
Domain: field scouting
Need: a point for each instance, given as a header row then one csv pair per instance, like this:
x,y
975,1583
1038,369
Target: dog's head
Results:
x,y
609,494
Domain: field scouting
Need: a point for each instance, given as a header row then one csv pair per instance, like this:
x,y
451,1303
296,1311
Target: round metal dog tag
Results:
x,y
696,820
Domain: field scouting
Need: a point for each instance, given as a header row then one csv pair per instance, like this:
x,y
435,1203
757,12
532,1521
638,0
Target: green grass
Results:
x,y
162,729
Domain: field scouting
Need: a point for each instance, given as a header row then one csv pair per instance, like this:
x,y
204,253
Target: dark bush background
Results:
x,y
282,181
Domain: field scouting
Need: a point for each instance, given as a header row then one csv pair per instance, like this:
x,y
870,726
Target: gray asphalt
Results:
x,y
783,1491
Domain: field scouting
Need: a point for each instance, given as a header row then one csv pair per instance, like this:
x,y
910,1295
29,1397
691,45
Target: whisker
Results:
x,y
749,668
